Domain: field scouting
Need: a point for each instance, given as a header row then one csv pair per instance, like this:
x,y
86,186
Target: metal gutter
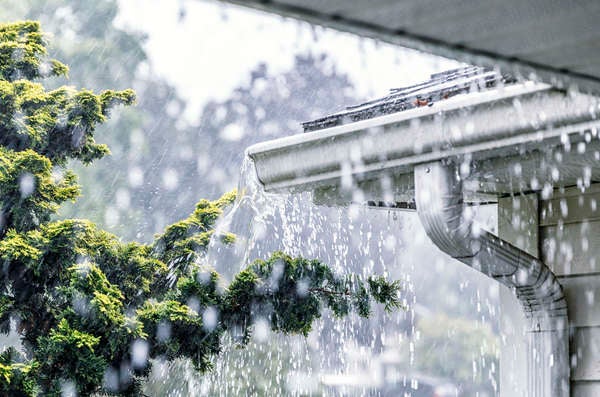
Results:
x,y
482,124
439,200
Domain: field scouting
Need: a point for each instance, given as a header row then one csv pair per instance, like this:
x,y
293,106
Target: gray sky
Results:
x,y
213,49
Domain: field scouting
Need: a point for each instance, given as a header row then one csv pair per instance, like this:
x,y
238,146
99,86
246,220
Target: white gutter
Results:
x,y
490,121
439,199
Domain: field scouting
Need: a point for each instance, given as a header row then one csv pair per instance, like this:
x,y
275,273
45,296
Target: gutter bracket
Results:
x,y
439,201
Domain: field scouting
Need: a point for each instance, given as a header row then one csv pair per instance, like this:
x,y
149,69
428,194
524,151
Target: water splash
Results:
x,y
354,356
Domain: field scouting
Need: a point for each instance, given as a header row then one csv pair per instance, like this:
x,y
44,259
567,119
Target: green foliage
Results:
x,y
30,192
40,129
68,354
23,51
58,124
383,292
93,311
6,307
178,331
182,243
16,378
292,291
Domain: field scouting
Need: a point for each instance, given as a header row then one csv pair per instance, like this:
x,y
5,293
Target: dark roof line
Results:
x,y
441,86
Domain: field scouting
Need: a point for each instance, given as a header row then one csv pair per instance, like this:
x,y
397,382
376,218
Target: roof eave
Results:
x,y
503,123
559,78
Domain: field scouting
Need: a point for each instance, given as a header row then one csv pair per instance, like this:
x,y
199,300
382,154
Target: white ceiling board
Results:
x,y
552,39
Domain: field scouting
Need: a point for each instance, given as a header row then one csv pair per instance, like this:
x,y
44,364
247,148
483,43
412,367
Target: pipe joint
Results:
x,y
439,200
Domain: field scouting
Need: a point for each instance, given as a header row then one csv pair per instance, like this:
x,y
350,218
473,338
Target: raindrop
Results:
x,y
210,318
517,169
67,388
232,132
302,288
163,331
111,217
194,304
262,330
135,176
414,384
139,353
564,208
122,198
26,184
110,380
170,179
590,297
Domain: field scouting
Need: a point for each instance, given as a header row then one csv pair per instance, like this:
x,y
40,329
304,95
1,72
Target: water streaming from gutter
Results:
x,y
350,357
265,222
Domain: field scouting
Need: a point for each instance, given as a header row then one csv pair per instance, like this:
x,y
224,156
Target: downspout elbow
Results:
x,y
439,200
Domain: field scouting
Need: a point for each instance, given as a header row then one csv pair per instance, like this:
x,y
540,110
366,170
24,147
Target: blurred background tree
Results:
x,y
458,349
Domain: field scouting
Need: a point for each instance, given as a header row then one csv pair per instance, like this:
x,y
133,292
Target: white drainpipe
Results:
x,y
439,200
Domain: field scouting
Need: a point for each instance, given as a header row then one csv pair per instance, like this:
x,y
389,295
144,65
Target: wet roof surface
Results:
x,y
441,86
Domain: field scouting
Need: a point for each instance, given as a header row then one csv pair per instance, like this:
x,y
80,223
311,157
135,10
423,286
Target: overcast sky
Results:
x,y
213,48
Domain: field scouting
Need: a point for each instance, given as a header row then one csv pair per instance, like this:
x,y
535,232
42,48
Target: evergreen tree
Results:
x,y
92,311
153,143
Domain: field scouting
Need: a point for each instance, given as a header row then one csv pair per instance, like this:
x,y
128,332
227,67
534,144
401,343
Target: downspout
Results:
x,y
439,200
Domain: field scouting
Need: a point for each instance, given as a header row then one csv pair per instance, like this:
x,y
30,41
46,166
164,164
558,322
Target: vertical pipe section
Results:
x,y
439,199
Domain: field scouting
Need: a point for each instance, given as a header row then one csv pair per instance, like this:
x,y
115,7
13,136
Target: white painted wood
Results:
x,y
517,221
583,300
585,354
572,206
572,249
570,236
570,246
585,389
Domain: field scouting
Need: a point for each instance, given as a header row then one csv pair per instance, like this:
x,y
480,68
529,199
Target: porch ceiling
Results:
x,y
557,40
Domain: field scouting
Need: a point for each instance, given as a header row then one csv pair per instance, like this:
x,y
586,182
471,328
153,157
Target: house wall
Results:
x,y
565,232
570,245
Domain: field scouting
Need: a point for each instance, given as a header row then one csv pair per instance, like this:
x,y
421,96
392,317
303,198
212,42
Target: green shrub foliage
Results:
x,y
92,311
